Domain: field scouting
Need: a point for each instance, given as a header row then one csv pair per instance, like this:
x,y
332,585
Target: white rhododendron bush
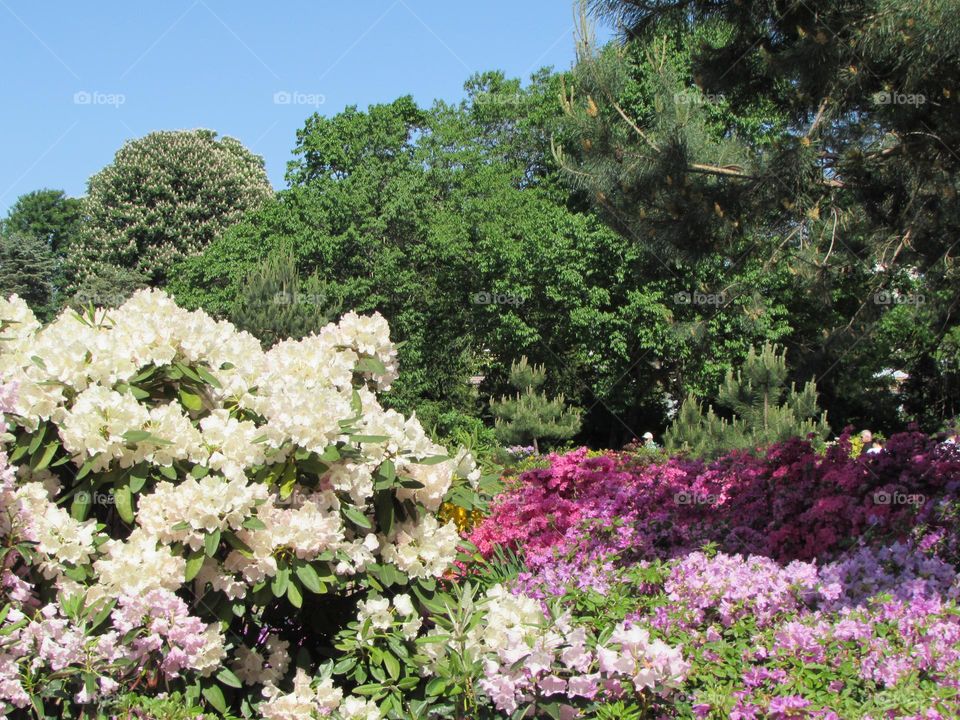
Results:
x,y
191,506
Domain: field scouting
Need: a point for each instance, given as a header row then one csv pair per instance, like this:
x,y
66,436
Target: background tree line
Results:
x,y
722,176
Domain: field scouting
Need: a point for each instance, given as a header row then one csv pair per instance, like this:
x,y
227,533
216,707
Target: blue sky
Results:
x,y
80,79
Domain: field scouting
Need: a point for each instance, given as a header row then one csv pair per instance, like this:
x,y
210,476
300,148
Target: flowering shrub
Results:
x,y
830,600
790,504
182,510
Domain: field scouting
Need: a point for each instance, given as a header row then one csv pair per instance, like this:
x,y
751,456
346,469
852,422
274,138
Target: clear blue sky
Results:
x,y
79,79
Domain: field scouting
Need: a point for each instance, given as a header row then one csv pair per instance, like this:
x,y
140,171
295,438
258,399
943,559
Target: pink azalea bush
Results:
x,y
796,585
788,504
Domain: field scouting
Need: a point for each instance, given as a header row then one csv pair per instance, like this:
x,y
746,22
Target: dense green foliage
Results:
x,y
165,196
27,269
817,136
762,410
721,176
34,237
529,415
275,303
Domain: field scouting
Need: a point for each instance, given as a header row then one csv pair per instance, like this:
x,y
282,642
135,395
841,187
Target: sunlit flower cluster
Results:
x,y
170,465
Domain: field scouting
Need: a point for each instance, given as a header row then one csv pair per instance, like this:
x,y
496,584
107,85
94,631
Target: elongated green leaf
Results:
x,y
371,365
80,507
211,542
227,677
37,439
356,517
293,593
372,439
207,376
123,501
191,401
135,436
43,460
214,696
281,582
194,563
308,576
392,665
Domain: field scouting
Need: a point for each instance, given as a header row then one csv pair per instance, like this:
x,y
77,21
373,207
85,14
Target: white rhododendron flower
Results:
x,y
191,483
423,550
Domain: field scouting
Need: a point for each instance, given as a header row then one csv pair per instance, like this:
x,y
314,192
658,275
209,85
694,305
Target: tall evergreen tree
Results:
x,y
27,269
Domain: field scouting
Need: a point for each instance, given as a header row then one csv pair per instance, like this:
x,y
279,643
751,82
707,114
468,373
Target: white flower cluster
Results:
x,y
311,699
424,549
201,414
382,615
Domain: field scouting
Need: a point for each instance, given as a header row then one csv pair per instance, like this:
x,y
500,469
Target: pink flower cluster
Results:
x,y
558,662
789,504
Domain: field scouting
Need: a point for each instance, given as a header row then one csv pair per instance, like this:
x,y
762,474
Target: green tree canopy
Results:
x,y
166,196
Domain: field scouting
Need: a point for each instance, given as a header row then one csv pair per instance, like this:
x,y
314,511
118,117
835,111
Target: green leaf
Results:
x,y
227,677
436,686
356,517
168,471
37,439
188,371
253,523
383,510
211,542
199,471
392,665
138,478
388,469
191,401
80,507
48,452
433,460
308,576
214,696
371,365
293,593
280,582
123,501
102,615
135,436
194,563
373,439
207,376
330,454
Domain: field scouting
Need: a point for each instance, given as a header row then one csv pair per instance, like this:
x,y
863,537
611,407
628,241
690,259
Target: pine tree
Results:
x,y
762,410
27,269
276,303
530,415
